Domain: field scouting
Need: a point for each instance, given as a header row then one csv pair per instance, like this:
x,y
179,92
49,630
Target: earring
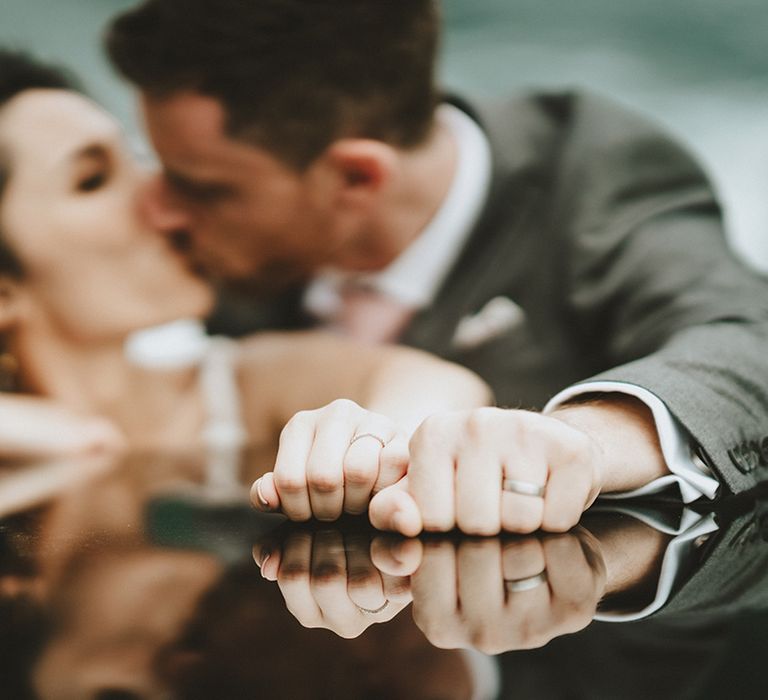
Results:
x,y
9,367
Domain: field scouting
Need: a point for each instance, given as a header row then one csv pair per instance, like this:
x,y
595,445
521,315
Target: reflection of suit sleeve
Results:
x,y
732,573
653,290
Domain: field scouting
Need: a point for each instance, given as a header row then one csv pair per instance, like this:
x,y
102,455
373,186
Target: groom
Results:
x,y
562,248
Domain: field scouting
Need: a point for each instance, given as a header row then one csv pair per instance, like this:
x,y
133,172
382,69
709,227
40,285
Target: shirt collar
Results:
x,y
415,276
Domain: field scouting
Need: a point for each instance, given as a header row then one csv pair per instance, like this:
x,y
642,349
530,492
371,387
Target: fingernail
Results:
x,y
262,502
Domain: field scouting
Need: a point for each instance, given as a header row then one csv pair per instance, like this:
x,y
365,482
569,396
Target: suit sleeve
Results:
x,y
654,296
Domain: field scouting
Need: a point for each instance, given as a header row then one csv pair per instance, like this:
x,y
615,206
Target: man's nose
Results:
x,y
160,208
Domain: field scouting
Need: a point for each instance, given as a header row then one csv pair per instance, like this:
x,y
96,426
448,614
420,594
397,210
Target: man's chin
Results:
x,y
266,283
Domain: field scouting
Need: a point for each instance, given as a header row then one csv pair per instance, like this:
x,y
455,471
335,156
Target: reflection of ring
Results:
x,y
524,488
373,612
365,435
525,584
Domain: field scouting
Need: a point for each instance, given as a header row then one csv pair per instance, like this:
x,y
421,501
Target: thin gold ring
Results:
x,y
370,435
373,612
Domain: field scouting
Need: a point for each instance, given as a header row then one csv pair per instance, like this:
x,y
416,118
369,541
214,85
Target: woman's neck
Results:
x,y
154,408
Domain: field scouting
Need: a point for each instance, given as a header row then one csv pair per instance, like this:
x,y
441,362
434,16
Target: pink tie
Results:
x,y
370,316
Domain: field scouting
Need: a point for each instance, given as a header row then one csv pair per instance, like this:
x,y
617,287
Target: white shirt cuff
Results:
x,y
676,560
687,471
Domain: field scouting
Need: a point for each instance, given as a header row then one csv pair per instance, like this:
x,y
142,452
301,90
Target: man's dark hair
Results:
x,y
292,75
18,73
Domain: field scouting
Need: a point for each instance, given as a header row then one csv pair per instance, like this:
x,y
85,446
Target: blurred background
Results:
x,y
698,66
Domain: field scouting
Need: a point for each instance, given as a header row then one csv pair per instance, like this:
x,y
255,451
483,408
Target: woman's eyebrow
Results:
x,y
90,151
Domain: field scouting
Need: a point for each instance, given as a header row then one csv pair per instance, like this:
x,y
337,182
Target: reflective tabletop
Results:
x,y
151,577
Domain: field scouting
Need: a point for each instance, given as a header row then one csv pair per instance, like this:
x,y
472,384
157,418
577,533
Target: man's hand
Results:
x,y
492,594
497,595
482,471
489,469
332,460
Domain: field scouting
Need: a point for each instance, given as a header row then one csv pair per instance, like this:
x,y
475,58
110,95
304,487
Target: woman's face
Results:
x,y
93,268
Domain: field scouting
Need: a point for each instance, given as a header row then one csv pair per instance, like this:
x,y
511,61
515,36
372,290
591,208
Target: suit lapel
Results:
x,y
496,247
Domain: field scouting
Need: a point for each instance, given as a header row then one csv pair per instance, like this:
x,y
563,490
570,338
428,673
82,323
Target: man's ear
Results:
x,y
362,168
10,303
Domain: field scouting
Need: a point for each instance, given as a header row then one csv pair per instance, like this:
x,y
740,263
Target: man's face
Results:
x,y
249,216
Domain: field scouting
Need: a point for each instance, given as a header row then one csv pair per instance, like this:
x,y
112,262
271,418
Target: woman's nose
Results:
x,y
160,209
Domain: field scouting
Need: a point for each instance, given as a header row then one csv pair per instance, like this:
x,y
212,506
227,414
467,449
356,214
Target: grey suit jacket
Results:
x,y
607,234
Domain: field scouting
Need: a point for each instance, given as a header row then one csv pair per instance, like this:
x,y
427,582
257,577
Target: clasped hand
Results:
x,y
491,594
483,470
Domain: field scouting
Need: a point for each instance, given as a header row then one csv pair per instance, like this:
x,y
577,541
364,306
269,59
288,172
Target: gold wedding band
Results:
x,y
373,612
525,584
369,435
524,488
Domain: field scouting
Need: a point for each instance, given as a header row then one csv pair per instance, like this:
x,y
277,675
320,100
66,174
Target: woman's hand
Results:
x,y
329,581
33,427
332,460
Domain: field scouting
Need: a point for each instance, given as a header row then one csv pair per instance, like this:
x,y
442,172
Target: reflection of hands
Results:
x,y
498,595
459,462
328,580
331,460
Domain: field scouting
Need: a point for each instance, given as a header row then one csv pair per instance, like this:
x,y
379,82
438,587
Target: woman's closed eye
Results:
x,y
93,168
93,182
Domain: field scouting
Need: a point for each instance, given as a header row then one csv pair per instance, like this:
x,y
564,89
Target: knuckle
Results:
x,y
576,448
299,421
355,508
362,578
349,633
325,574
438,524
435,432
433,425
293,572
480,420
523,522
327,517
530,636
342,407
485,642
479,527
357,474
290,484
559,521
398,588
439,635
324,482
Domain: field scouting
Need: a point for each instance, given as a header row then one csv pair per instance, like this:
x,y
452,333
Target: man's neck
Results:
x,y
419,188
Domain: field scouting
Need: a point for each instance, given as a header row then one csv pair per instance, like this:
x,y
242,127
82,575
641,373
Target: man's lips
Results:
x,y
181,242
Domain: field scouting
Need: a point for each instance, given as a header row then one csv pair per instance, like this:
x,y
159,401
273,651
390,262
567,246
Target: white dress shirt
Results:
x,y
414,278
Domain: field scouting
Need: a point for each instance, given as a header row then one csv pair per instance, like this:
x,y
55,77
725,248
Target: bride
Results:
x,y
81,270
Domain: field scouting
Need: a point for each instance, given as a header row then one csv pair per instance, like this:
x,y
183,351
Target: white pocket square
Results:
x,y
499,315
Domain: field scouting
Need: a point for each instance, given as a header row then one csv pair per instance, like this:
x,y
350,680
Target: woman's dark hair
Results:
x,y
24,621
20,72
292,75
